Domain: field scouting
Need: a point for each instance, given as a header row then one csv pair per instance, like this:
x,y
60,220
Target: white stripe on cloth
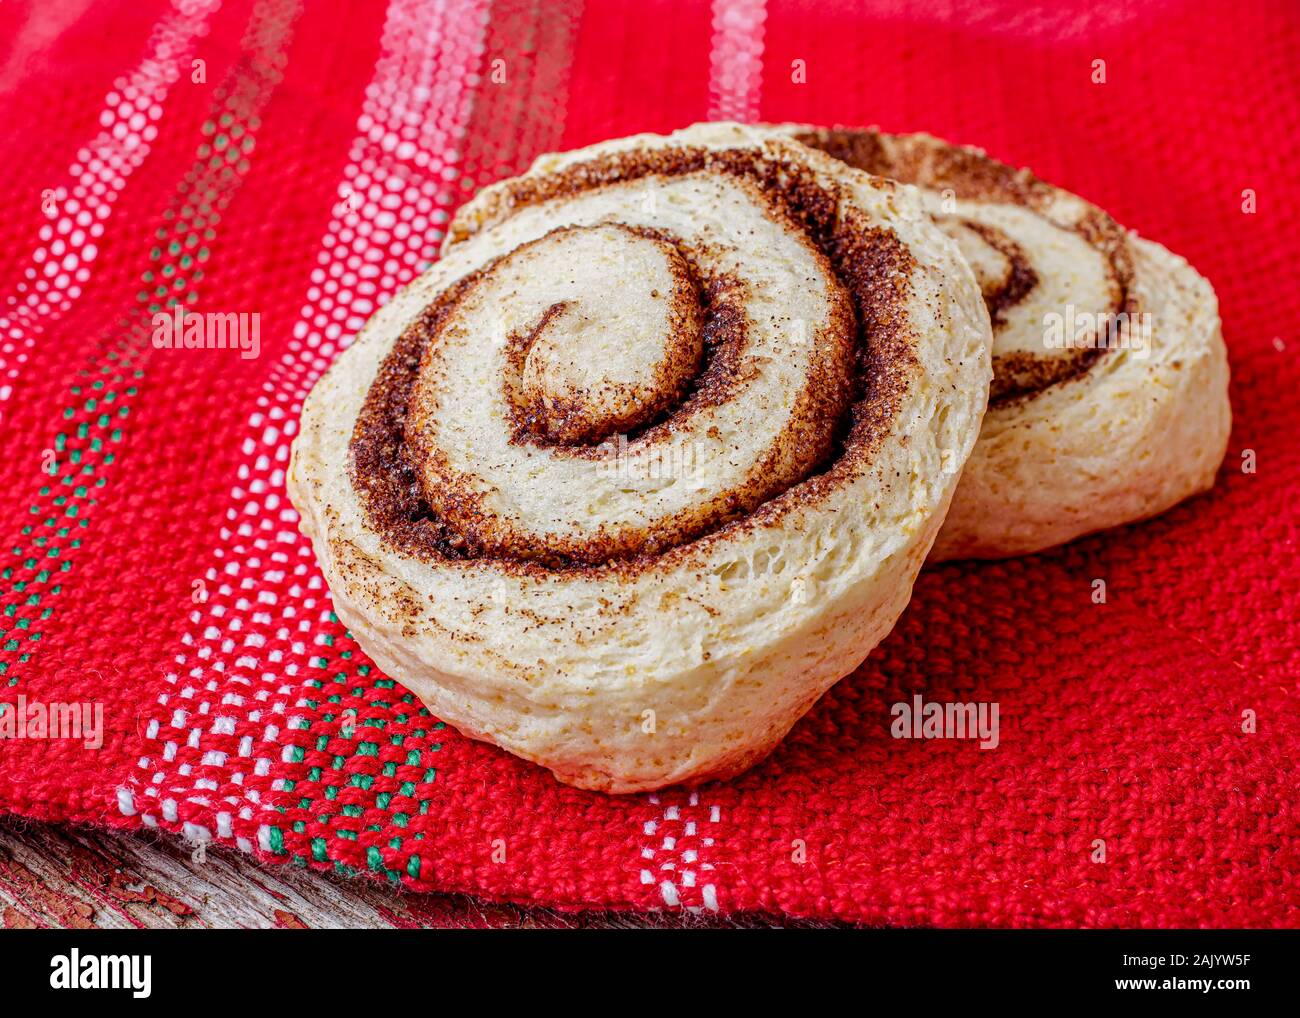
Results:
x,y
736,60
80,205
386,223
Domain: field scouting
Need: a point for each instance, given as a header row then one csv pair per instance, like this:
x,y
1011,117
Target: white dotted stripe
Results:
x,y
736,60
252,83
392,205
675,856
81,205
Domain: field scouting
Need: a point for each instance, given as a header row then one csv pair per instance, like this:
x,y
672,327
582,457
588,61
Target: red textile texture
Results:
x,y
1146,772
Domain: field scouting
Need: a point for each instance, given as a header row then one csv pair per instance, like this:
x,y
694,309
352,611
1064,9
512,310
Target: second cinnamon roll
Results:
x,y
1109,401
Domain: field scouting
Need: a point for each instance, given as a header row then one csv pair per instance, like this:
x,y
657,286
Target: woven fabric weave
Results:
x,y
299,161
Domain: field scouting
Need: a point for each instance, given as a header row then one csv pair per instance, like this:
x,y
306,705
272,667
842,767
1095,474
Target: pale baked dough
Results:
x,y
1072,442
641,628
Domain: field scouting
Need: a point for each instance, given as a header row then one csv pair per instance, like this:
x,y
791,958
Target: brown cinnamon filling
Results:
x,y
847,415
973,176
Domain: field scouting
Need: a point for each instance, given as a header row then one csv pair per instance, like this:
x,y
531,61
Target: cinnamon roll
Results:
x,y
1109,400
652,456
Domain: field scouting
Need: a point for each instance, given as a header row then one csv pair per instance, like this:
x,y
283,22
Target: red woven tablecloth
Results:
x,y
303,169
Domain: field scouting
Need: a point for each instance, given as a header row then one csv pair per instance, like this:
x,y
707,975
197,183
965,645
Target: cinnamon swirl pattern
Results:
x,y
652,456
1109,400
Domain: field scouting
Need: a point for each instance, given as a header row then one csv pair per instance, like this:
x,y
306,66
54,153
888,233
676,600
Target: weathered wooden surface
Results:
x,y
52,876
